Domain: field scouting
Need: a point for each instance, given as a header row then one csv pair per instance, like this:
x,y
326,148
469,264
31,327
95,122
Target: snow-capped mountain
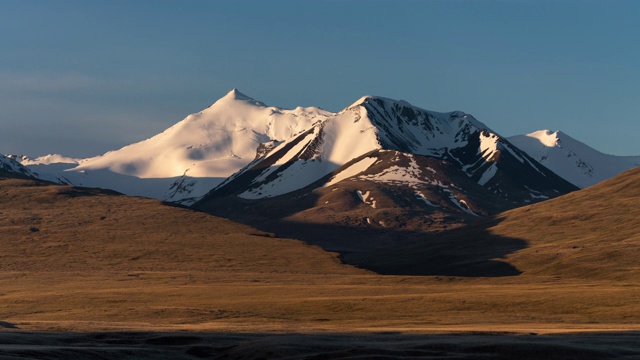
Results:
x,y
239,143
374,123
379,164
573,160
191,157
9,166
372,162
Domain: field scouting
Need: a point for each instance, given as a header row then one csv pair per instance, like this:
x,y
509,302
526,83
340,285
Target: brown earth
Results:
x,y
337,219
589,234
90,260
51,228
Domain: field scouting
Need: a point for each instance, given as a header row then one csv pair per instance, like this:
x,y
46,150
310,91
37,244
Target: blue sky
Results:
x,y
84,77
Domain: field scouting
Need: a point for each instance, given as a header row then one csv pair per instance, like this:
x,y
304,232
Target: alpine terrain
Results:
x,y
188,159
377,164
573,160
589,234
200,152
89,273
10,167
396,189
383,164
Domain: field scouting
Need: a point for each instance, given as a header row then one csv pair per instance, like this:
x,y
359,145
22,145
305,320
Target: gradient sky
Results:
x,y
84,77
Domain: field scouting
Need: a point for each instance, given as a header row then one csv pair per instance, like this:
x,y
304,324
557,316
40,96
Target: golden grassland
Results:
x,y
87,260
251,302
592,234
88,273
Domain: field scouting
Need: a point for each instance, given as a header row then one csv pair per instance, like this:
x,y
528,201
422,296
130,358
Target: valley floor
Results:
x,y
266,315
86,273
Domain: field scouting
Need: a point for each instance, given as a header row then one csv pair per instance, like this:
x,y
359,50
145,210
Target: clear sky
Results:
x,y
84,77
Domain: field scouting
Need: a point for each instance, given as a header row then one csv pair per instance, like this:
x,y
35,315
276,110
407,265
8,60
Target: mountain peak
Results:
x,y
367,98
573,160
236,95
547,138
359,101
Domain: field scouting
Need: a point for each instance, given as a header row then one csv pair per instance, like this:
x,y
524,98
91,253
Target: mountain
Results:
x,y
47,160
382,163
382,148
374,123
589,234
10,167
191,157
574,161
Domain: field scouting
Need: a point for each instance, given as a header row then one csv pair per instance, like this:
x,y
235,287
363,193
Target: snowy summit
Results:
x,y
210,148
573,160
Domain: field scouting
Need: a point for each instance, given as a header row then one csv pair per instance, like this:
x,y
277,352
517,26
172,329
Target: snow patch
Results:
x,y
352,170
461,204
488,145
547,138
296,176
421,196
50,159
286,158
363,196
488,174
395,174
536,196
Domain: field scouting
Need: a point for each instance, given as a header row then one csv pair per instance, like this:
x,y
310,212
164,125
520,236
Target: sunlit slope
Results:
x,y
592,234
52,228
89,260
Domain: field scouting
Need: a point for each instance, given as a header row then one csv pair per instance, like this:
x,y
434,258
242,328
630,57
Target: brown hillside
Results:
x,y
46,227
90,260
592,233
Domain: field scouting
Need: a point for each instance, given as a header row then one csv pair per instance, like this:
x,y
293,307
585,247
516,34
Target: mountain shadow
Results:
x,y
394,238
470,251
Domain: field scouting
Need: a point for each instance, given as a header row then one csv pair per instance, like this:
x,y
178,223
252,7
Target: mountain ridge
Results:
x,y
10,166
380,123
382,164
575,161
206,149
192,156
591,234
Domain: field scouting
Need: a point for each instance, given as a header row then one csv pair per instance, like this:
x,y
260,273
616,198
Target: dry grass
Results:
x,y
100,261
589,234
594,233
250,302
56,228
